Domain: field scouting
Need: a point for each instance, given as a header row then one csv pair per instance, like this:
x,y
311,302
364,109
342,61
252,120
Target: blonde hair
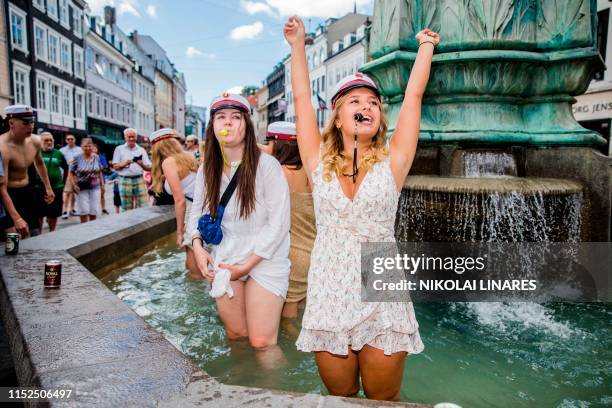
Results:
x,y
333,158
163,149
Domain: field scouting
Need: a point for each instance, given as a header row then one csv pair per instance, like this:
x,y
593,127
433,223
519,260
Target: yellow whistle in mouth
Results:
x,y
223,132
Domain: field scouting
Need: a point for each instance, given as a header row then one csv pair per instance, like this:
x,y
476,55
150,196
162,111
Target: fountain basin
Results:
x,y
512,209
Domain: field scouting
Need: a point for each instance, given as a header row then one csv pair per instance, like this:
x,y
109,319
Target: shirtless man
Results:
x,y
19,149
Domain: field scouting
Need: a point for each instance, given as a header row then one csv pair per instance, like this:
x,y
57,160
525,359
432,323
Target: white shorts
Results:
x,y
88,202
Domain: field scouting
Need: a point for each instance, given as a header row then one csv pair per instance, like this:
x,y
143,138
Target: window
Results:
x,y
63,13
52,9
89,59
113,109
78,62
603,17
322,55
77,22
21,82
316,60
40,4
98,104
41,86
40,40
105,112
67,101
55,91
90,102
323,83
65,56
19,37
78,105
53,46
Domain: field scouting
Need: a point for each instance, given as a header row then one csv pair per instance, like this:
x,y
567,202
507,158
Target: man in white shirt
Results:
x,y
130,161
70,151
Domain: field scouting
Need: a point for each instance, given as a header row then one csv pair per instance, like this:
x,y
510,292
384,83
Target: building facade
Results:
x,y
163,78
593,110
109,83
144,104
143,86
261,110
46,62
5,83
276,103
195,121
178,102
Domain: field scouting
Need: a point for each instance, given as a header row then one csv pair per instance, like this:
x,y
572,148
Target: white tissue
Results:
x,y
221,284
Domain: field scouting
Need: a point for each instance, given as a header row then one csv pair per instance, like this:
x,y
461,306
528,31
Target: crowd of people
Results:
x,y
42,181
272,226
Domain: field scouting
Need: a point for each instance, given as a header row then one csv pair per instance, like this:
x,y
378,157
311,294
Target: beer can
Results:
x,y
12,243
53,274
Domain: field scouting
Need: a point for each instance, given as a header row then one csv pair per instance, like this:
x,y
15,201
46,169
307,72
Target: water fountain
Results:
x,y
501,156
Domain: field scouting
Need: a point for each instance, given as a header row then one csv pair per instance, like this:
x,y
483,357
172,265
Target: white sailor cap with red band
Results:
x,y
229,101
281,131
357,80
161,134
19,111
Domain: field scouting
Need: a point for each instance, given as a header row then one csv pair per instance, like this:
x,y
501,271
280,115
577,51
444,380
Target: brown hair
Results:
x,y
160,151
333,158
287,153
213,169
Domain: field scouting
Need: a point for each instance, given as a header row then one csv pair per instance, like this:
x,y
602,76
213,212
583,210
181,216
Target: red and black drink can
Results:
x,y
53,274
12,243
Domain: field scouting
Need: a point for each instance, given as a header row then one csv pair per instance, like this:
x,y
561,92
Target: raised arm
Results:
x,y
404,140
308,135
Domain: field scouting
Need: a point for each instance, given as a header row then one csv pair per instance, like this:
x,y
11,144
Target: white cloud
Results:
x,y
152,11
246,32
252,7
192,52
316,8
127,8
122,6
235,89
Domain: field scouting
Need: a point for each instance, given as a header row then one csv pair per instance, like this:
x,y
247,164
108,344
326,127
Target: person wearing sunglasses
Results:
x,y
20,149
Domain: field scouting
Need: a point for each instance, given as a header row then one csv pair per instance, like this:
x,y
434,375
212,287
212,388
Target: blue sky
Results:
x,y
222,44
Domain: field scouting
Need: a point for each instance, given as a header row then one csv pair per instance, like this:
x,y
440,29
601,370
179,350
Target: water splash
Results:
x,y
507,216
488,164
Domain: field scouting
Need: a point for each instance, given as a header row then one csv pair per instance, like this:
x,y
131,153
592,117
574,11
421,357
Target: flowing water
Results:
x,y
476,354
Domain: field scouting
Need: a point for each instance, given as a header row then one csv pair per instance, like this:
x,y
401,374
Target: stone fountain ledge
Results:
x,y
507,185
83,337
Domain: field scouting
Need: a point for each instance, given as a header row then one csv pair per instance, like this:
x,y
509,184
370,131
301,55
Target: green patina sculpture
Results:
x,y
505,72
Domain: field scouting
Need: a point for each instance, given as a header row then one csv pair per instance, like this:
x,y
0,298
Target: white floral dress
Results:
x,y
335,317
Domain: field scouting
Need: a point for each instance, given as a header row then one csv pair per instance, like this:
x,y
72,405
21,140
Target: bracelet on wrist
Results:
x,y
197,238
431,42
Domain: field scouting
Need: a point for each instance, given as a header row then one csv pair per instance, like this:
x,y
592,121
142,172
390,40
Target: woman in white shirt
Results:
x,y
174,171
255,224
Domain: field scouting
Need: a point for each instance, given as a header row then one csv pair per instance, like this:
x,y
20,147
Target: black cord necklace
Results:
x,y
358,118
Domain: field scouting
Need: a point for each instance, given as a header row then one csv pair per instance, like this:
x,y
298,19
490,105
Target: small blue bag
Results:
x,y
209,228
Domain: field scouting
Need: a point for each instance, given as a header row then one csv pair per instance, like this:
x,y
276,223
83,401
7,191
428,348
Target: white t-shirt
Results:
x,y
123,153
70,152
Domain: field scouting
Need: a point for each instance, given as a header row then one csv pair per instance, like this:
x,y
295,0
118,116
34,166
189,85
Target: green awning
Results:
x,y
108,140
